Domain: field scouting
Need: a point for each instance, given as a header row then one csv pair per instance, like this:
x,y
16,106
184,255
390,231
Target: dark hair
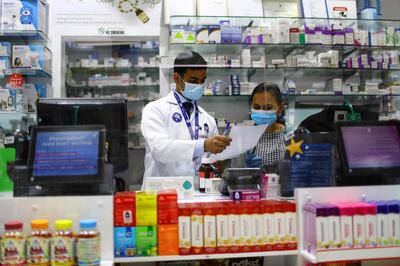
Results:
x,y
188,60
274,90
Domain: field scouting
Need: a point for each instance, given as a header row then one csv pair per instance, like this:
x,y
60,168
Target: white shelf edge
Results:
x,y
206,256
106,263
352,254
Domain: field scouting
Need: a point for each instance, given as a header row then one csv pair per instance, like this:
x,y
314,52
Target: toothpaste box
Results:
x,y
125,241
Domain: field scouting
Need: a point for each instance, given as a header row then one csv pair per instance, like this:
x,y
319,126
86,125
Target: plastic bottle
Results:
x,y
12,246
88,244
38,244
62,244
205,172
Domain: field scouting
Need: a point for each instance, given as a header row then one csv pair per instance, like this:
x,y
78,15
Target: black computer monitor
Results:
x,y
112,113
369,150
63,155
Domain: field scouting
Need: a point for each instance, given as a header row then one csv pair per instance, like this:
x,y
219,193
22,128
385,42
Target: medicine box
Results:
x,y
168,243
210,228
20,15
146,208
233,227
214,34
8,99
125,241
124,209
167,206
182,184
5,49
197,229
146,241
223,240
202,34
31,56
4,62
184,219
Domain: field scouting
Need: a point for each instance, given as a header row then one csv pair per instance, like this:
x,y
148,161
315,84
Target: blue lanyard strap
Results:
x,y
195,135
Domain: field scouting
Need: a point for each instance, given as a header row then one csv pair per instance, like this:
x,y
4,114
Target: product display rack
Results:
x,y
12,120
310,80
343,194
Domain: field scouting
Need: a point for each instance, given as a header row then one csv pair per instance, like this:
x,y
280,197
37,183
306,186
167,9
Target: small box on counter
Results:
x,y
184,219
8,98
146,208
167,207
168,243
124,242
146,241
124,209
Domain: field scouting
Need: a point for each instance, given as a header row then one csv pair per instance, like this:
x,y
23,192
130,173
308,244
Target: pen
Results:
x,y
227,130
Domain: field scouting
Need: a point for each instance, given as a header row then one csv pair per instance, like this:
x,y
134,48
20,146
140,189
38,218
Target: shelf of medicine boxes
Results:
x,y
26,36
245,22
334,194
205,256
39,73
105,70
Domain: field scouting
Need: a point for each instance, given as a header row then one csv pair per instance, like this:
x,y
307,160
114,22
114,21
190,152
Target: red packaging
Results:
x,y
279,210
124,209
210,228
222,227
184,224
291,231
234,226
257,225
167,206
246,230
197,229
268,225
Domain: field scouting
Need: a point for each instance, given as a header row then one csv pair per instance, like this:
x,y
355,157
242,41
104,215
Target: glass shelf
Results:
x,y
133,86
84,70
259,21
26,36
26,72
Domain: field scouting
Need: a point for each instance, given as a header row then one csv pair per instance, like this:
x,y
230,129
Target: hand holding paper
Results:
x,y
244,138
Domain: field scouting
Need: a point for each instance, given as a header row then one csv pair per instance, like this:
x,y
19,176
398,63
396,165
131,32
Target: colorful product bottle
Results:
x,y
62,244
88,244
12,246
38,244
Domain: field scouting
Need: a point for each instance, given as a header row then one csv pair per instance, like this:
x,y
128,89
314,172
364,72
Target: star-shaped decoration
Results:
x,y
294,147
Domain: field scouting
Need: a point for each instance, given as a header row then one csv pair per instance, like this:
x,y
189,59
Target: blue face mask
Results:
x,y
261,117
193,91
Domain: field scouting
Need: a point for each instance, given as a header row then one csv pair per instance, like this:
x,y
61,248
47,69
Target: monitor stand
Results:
x,y
23,189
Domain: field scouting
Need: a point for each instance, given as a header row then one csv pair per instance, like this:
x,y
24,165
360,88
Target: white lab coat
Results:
x,y
169,147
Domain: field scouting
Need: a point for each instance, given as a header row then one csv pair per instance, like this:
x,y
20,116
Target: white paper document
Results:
x,y
287,8
212,8
244,138
250,8
178,8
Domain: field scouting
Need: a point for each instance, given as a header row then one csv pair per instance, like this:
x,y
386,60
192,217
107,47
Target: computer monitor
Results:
x,y
62,155
369,149
112,113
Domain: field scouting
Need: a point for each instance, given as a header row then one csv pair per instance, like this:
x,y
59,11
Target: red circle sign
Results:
x,y
15,80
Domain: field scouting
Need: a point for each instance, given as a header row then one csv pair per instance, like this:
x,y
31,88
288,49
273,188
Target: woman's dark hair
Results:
x,y
188,60
274,90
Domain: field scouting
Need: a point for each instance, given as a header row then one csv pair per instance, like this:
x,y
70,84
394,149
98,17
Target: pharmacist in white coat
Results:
x,y
177,131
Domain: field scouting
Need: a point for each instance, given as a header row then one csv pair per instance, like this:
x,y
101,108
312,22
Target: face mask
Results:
x,y
193,91
261,117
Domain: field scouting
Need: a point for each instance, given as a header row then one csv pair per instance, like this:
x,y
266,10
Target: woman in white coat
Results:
x,y
177,131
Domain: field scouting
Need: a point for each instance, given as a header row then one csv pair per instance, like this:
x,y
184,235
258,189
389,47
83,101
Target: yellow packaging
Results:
x,y
146,208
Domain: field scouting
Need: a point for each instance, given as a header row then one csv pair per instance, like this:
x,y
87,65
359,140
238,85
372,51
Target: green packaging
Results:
x,y
6,155
146,240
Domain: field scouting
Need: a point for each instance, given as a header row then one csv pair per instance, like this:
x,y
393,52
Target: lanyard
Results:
x,y
195,135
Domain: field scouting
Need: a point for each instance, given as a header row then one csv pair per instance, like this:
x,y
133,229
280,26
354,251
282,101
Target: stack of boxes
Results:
x,y
146,223
351,225
151,224
167,213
